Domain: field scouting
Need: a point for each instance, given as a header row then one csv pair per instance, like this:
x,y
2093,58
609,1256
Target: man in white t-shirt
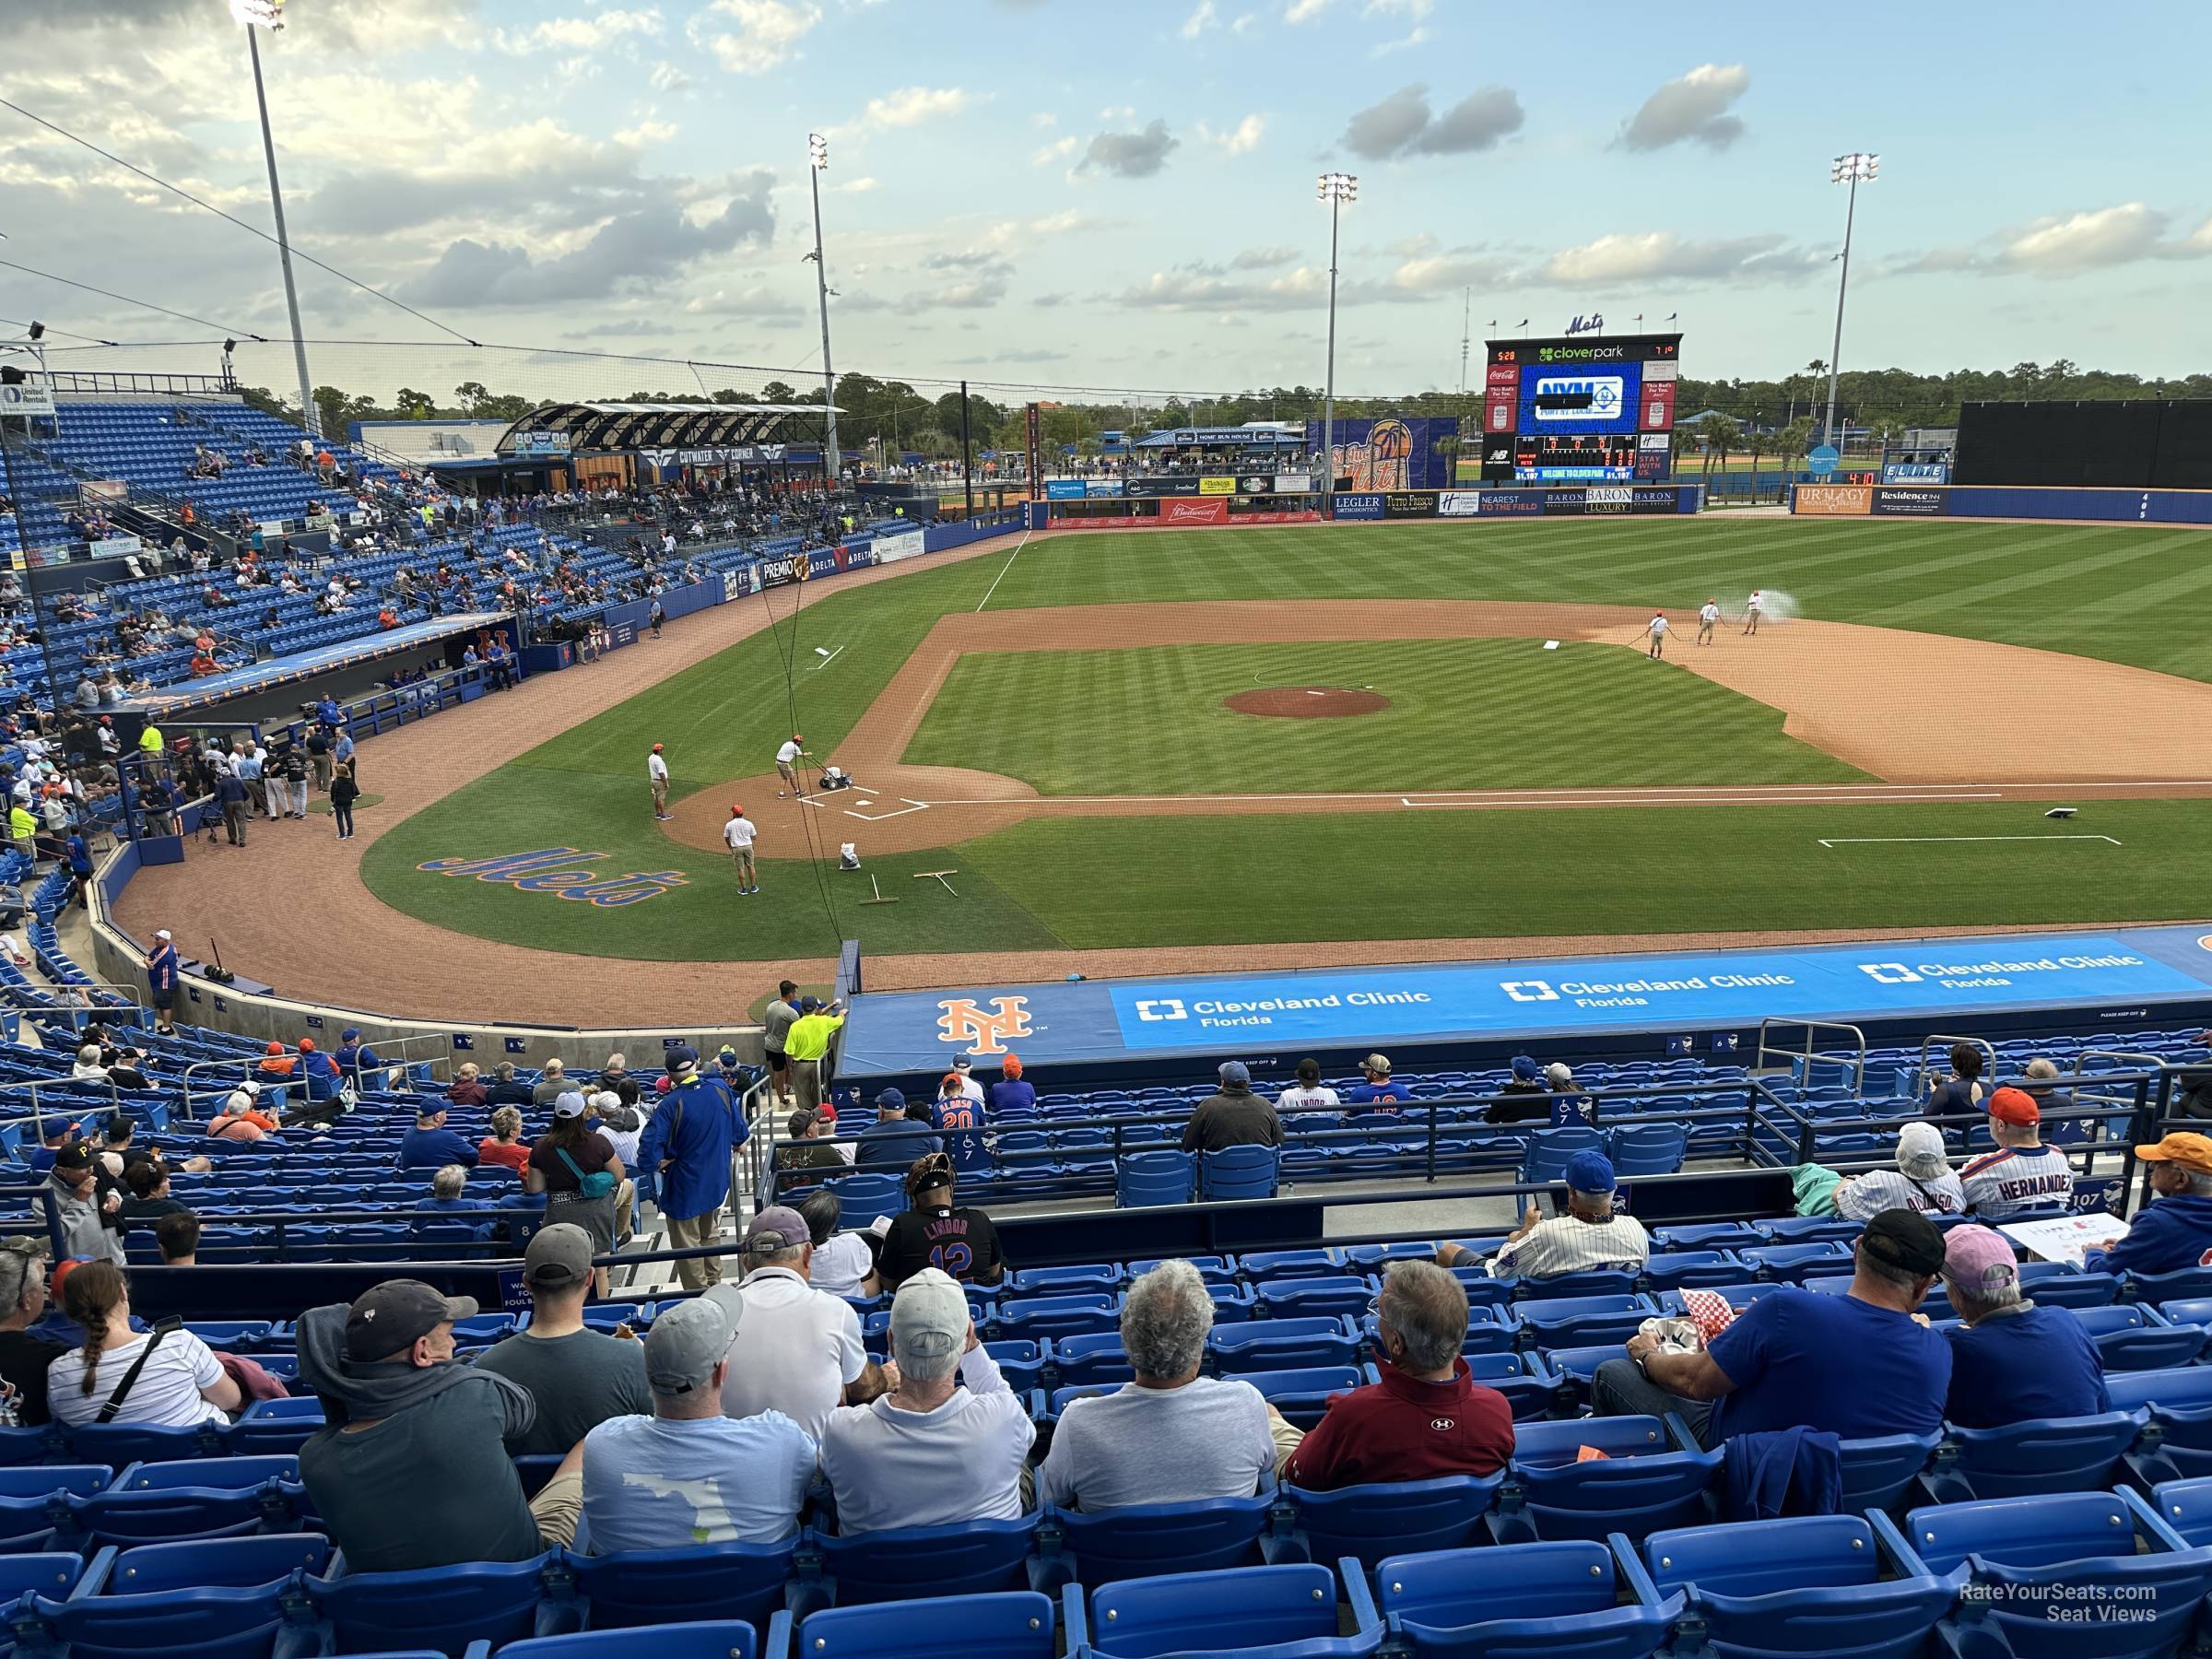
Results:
x,y
930,1453
2022,1173
798,1350
1307,1091
656,771
740,834
1656,628
1171,1436
1709,614
787,765
1752,606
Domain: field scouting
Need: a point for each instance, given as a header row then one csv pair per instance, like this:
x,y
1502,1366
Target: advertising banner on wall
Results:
x,y
1915,471
1293,483
1359,506
1101,489
1184,486
1458,504
1212,485
1064,490
1930,502
1512,503
1832,500
1394,452
1408,503
1269,516
1256,484
1213,510
899,545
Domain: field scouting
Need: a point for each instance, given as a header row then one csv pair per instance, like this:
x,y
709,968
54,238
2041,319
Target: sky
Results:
x,y
1038,192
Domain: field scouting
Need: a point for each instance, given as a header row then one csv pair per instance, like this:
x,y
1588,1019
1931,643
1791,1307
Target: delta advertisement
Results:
x,y
1915,981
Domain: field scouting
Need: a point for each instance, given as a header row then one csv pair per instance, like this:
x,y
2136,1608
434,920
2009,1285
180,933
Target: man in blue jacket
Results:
x,y
432,1145
2176,1232
686,1148
354,1057
161,978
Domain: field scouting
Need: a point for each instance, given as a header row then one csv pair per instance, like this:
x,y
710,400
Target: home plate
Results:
x,y
1551,644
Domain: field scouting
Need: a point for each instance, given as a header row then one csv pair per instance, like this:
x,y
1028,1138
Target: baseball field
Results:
x,y
1280,736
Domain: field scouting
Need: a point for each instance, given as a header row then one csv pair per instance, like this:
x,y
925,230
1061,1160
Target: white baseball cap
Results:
x,y
929,1316
161,933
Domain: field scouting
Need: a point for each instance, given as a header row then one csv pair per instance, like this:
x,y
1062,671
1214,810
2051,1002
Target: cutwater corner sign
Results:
x,y
1099,1020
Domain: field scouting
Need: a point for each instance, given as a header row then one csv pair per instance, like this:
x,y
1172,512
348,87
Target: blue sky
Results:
x,y
1058,193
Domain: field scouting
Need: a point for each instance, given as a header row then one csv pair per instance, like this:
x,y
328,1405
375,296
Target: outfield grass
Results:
x,y
2130,595
1463,714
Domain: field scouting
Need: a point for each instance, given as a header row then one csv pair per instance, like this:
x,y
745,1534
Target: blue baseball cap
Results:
x,y
1235,1071
890,1100
1590,1173
1524,1069
351,1034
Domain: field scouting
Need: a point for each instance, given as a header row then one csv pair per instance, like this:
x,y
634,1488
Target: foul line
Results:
x,y
1002,573
1872,841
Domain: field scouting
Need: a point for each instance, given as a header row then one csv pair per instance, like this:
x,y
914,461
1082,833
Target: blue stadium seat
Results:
x,y
1548,1152
1530,1386
442,1607
2133,1336
40,1480
2179,1402
275,1427
1150,1178
1262,1267
121,1444
1692,1269
703,1583
210,1564
1344,1296
1059,1281
866,1196
2059,1284
214,1497
2045,1455
1367,1523
2031,1560
1796,1263
1583,1321
1016,1624
1244,1611
1091,1360
1648,1480
1522,1601
1099,1546
971,1559
1879,1470
1056,1316
1648,1149
726,1640
1238,1172
2183,1505
1812,1584
1302,1396
1284,1344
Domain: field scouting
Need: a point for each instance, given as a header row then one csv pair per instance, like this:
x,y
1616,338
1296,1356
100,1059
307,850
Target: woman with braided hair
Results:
x,y
164,1379
931,1234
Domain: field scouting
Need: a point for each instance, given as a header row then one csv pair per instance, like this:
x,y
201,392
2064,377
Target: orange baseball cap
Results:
x,y
2191,1152
2015,1106
656,748
735,810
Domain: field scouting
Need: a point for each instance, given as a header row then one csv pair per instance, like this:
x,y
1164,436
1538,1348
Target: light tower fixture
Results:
x,y
258,14
1849,169
1335,189
818,163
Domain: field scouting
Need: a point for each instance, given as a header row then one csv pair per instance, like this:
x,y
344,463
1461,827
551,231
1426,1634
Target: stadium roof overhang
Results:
x,y
622,426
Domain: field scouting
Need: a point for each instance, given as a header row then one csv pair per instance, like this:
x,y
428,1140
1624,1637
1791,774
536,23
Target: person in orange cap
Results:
x,y
787,764
2176,1232
740,833
2022,1173
656,769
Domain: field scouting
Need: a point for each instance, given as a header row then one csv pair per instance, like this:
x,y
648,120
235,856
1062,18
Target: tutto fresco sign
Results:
x,y
546,870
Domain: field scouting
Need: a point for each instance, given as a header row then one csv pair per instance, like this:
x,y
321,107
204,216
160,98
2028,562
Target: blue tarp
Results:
x,y
306,665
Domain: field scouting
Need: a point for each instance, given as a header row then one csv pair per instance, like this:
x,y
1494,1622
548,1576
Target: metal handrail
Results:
x,y
1807,1053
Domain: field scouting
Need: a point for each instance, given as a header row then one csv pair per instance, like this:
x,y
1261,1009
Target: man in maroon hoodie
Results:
x,y
1426,1419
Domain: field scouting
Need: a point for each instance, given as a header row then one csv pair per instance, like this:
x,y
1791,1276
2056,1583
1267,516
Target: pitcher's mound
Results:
x,y
1307,702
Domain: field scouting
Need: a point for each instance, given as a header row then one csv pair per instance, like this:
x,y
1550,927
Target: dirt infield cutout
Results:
x,y
1308,702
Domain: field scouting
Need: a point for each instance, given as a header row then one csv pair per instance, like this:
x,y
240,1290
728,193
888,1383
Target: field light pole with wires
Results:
x,y
818,163
1848,170
1335,189
258,14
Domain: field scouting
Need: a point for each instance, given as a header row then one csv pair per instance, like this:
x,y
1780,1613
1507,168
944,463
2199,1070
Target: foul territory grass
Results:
x,y
2131,595
1463,714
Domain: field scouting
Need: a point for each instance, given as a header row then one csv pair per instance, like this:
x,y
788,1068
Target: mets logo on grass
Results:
x,y
963,1019
543,871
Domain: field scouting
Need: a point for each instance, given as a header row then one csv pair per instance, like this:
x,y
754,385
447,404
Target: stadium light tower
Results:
x,y
257,15
818,158
1848,170
1335,189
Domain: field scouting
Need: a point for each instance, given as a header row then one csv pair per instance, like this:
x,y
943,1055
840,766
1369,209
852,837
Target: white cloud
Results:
x,y
911,105
1058,150
1304,11
1044,118
578,34
668,77
760,34
1416,37
1239,140
2068,245
1117,111
1199,21
1245,23
1691,109
1612,260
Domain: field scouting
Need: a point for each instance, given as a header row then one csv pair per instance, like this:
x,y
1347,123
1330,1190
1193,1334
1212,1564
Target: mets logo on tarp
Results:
x,y
962,1020
541,872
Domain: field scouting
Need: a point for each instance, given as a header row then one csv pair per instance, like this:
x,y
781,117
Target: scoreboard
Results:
x,y
1580,410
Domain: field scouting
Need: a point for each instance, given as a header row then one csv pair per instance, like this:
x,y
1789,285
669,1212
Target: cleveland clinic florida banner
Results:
x,y
1336,1008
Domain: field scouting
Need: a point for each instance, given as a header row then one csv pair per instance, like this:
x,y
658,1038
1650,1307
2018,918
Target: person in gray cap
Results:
x,y
686,1473
577,1376
798,1350
413,1469
1232,1116
930,1453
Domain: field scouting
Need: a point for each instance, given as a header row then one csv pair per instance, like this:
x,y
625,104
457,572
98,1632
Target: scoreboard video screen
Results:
x,y
1579,410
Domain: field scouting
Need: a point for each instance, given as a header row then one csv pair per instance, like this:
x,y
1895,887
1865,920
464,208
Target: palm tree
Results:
x,y
1718,433
1791,443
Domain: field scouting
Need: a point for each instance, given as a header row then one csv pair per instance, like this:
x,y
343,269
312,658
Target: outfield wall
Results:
x,y
1116,511
2002,501
1633,1007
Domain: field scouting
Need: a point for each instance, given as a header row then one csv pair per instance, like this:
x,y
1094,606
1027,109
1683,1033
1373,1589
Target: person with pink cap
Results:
x,y
2011,1361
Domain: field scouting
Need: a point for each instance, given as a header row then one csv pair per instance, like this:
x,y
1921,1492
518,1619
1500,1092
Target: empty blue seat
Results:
x,y
726,1640
1056,1281
211,1563
1099,1546
1648,1149
1530,1386
1879,1469
1548,1152
1238,1173
2060,1286
1795,1262
974,1558
1306,1298
1016,1624
443,1607
2134,1337
2045,1455
1645,1481
704,1582
1520,1601
1804,1585
2183,1505
1056,1315
1251,1610
1301,1396
1149,1178
1688,1269
1583,1321
1091,1360
1284,1344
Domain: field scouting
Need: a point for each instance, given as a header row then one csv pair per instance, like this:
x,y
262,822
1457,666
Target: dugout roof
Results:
x,y
621,425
